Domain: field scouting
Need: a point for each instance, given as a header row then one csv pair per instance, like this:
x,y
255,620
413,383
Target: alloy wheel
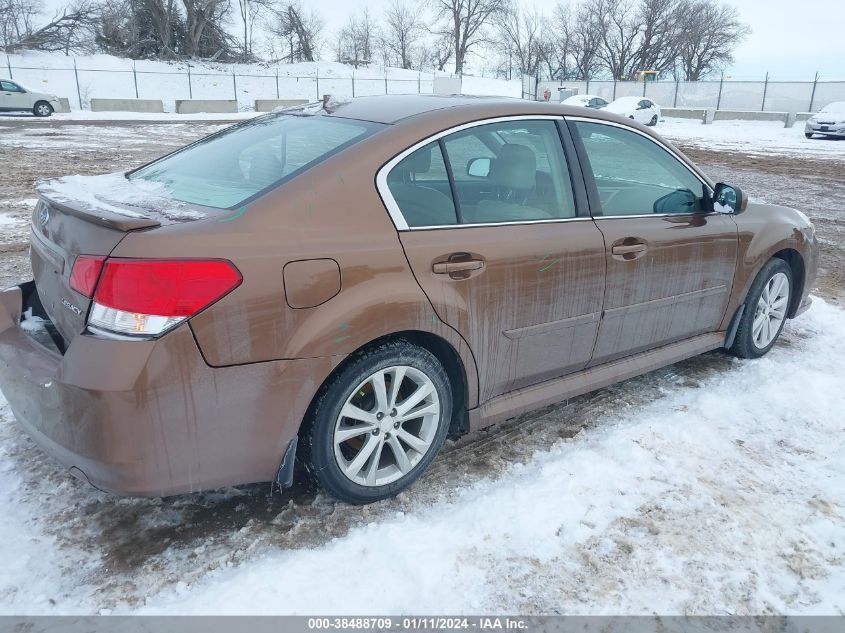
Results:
x,y
771,310
386,426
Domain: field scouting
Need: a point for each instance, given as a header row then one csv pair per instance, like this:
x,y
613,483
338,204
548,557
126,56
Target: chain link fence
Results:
x,y
762,96
82,83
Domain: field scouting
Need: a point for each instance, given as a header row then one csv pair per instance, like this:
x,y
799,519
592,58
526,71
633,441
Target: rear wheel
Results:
x,y
765,310
42,108
379,423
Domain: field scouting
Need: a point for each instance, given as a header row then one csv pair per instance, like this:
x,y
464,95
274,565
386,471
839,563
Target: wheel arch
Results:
x,y
442,349
796,264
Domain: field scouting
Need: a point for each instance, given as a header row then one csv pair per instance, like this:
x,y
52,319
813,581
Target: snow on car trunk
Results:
x,y
725,496
90,215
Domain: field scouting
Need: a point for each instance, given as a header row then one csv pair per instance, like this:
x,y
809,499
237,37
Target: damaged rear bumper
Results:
x,y
151,418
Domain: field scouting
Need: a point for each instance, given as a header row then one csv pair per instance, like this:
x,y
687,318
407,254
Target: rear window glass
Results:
x,y
229,168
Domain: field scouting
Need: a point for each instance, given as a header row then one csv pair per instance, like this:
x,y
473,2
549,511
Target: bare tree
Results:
x,y
250,12
710,34
464,21
205,36
521,30
404,27
17,20
357,40
662,32
71,30
300,32
619,26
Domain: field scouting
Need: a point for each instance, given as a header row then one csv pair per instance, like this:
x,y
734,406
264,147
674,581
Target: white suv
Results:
x,y
13,97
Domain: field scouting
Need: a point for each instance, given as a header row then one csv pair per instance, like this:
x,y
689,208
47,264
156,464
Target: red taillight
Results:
x,y
170,288
86,271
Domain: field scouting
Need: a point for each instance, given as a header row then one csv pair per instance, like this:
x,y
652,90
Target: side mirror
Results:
x,y
729,199
478,167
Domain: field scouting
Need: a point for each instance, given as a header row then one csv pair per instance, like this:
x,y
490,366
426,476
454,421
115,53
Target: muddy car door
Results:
x,y
489,219
670,260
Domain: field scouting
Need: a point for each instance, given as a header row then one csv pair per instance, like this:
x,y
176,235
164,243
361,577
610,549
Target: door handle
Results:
x,y
625,249
458,266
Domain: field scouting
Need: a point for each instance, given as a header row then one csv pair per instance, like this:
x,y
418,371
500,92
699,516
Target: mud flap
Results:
x,y
285,475
731,333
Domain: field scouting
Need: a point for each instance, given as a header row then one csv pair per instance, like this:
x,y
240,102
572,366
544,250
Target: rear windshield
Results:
x,y
231,167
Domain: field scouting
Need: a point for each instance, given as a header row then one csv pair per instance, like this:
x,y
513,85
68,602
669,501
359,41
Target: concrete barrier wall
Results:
x,y
750,115
64,105
194,106
802,116
127,105
268,105
685,113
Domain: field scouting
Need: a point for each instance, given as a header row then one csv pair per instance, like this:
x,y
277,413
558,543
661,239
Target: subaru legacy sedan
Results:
x,y
345,286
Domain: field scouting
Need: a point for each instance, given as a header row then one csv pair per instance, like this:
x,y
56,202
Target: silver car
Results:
x,y
14,97
829,121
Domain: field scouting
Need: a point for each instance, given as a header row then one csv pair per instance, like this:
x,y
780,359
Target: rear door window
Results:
x,y
419,184
510,172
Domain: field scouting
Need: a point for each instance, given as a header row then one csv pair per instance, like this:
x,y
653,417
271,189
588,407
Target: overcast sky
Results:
x,y
790,40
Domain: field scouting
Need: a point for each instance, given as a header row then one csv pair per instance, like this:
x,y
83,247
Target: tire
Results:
x,y
753,339
653,121
631,116
346,467
808,135
42,109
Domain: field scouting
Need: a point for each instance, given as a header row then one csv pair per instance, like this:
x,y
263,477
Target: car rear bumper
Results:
x,y
151,418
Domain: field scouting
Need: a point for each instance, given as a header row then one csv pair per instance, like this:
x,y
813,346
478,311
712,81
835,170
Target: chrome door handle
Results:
x,y
446,268
625,249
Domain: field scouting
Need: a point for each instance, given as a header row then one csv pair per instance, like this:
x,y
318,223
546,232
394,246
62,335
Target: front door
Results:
x,y
13,97
670,261
497,245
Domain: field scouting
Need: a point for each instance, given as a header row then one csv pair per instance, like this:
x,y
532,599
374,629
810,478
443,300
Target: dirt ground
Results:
x,y
132,548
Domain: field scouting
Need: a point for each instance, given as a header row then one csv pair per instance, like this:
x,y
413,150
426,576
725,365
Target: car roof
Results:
x,y
628,99
390,109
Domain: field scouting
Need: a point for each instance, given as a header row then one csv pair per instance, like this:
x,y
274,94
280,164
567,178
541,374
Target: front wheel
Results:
x,y
765,310
379,423
42,108
653,121
808,135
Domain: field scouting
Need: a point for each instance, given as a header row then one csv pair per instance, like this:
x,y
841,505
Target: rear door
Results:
x,y
670,261
489,220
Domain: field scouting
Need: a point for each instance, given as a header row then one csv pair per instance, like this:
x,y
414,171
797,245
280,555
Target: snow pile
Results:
x,y
114,193
726,496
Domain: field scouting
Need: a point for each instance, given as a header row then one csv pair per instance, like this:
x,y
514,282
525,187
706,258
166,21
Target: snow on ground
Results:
x,y
768,138
726,495
722,497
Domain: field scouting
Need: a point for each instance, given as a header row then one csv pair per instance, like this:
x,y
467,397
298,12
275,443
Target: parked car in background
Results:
x,y
349,286
14,97
586,101
640,109
829,121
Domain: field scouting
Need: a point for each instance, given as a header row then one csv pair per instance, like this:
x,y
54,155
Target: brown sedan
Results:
x,y
348,287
